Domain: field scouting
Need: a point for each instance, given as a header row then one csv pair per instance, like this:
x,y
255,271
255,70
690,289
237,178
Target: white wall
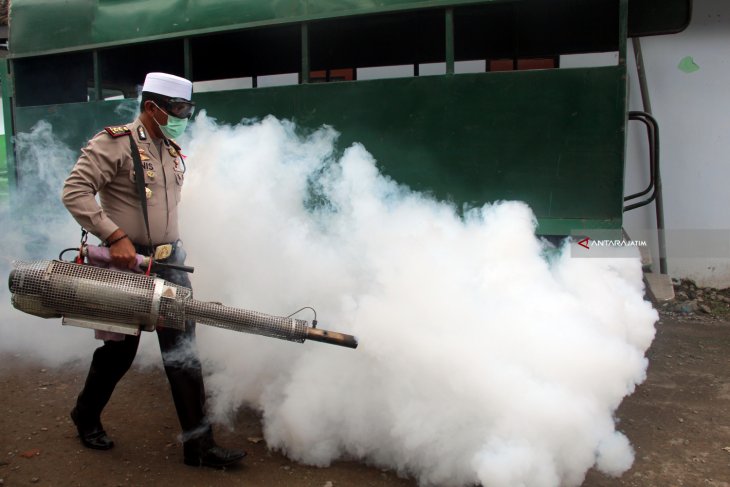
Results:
x,y
693,111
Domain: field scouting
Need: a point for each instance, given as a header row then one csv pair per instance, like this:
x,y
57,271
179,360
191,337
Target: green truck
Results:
x,y
523,126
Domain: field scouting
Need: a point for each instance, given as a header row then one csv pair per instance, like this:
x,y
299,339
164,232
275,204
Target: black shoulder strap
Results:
x,y
139,180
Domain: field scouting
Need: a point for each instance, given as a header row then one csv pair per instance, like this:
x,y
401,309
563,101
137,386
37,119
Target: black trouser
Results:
x,y
179,357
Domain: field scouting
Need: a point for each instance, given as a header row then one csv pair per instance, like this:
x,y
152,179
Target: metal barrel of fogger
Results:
x,y
56,288
221,316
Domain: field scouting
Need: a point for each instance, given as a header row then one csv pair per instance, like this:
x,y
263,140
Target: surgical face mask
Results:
x,y
174,127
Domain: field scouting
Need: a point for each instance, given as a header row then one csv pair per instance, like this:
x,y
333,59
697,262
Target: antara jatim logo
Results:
x,y
586,243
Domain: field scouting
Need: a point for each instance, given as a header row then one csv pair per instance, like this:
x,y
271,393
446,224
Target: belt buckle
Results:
x,y
162,252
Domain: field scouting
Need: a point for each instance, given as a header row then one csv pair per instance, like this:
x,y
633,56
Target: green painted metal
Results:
x,y
98,91
86,24
658,17
6,83
622,97
89,24
449,19
3,173
474,138
622,30
305,52
552,138
559,148
188,58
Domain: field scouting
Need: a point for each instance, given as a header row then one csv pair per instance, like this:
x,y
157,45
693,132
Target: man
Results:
x,y
107,167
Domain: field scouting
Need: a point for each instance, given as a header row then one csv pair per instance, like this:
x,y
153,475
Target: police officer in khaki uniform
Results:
x,y
106,167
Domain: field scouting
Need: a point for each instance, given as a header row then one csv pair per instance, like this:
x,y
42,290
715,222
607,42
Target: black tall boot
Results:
x,y
92,434
108,365
199,447
201,451
184,372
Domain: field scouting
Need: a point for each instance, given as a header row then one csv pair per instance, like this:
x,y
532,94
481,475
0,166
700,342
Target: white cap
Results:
x,y
168,85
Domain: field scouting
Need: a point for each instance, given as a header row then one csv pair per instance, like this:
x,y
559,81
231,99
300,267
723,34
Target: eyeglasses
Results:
x,y
179,107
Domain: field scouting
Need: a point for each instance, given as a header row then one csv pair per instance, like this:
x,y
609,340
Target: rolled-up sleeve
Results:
x,y
97,166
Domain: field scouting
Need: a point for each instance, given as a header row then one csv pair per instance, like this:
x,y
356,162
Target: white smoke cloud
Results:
x,y
37,226
481,358
485,357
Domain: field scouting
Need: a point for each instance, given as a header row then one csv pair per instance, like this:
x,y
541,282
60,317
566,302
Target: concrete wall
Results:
x,y
693,110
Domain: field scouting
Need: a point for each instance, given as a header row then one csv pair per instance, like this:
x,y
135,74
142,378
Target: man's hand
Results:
x,y
121,250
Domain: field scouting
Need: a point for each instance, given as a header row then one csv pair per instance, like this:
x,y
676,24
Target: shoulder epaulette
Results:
x,y
118,130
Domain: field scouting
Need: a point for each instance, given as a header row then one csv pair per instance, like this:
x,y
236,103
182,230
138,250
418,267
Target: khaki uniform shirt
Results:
x,y
106,167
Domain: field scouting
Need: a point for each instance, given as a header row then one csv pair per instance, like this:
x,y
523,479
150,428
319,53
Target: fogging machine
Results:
x,y
126,302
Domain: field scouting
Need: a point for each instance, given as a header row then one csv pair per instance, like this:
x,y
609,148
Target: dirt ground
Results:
x,y
678,421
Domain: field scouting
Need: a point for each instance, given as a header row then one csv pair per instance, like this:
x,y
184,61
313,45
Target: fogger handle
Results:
x,y
331,337
100,257
163,265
